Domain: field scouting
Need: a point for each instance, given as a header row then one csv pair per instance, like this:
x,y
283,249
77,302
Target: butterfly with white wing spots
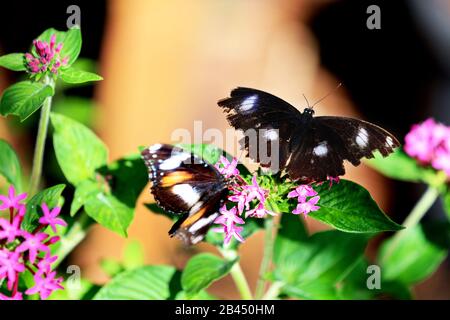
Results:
x,y
185,184
311,149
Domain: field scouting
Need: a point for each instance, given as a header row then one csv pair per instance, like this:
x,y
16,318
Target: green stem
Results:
x,y
73,237
269,227
416,214
273,291
238,275
38,157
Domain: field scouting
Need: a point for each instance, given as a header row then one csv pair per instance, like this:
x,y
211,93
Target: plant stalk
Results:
x,y
270,230
238,275
38,157
422,206
73,237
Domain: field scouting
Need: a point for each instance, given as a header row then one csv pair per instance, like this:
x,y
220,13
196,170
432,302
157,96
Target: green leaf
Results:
x,y
82,193
128,177
203,269
133,256
349,207
400,166
202,295
290,239
51,196
13,61
319,257
109,212
10,165
446,202
410,258
72,45
78,150
24,98
72,75
71,40
145,283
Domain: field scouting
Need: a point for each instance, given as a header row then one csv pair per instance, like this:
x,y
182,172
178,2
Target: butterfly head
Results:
x,y
308,112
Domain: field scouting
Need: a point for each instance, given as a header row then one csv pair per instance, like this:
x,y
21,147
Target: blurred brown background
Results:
x,y
166,63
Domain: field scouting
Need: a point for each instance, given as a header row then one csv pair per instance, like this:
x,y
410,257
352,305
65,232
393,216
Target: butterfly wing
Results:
x,y
319,150
251,109
183,183
310,148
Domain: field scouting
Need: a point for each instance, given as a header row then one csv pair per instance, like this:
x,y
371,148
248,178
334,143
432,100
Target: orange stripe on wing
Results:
x,y
194,218
174,178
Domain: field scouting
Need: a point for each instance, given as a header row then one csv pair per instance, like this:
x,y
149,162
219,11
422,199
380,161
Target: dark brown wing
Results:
x,y
185,184
252,110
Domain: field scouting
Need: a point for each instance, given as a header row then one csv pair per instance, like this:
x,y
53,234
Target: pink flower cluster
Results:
x,y
429,143
304,206
21,250
243,194
47,57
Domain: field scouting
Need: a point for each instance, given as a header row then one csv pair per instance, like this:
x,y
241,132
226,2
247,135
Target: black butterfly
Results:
x,y
185,184
310,148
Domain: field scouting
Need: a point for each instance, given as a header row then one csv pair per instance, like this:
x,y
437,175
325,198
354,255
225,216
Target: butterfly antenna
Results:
x,y
307,102
327,95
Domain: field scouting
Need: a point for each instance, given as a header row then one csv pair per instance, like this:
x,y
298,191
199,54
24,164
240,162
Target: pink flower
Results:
x,y
12,201
234,231
17,296
33,244
307,207
50,217
46,59
10,231
226,168
228,217
254,191
301,192
259,211
429,142
10,266
45,265
241,199
45,284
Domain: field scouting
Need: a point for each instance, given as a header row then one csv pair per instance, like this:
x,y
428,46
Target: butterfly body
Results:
x,y
309,148
185,185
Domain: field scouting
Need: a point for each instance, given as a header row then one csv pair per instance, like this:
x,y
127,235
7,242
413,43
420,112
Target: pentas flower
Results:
x,y
228,217
10,231
11,201
21,250
227,168
307,206
304,206
45,284
46,58
50,217
259,211
16,296
10,266
301,192
429,143
33,244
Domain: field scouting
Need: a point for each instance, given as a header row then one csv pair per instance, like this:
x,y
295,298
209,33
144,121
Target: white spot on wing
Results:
x,y
155,147
196,207
321,149
271,134
202,222
186,193
362,138
174,161
389,142
248,103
